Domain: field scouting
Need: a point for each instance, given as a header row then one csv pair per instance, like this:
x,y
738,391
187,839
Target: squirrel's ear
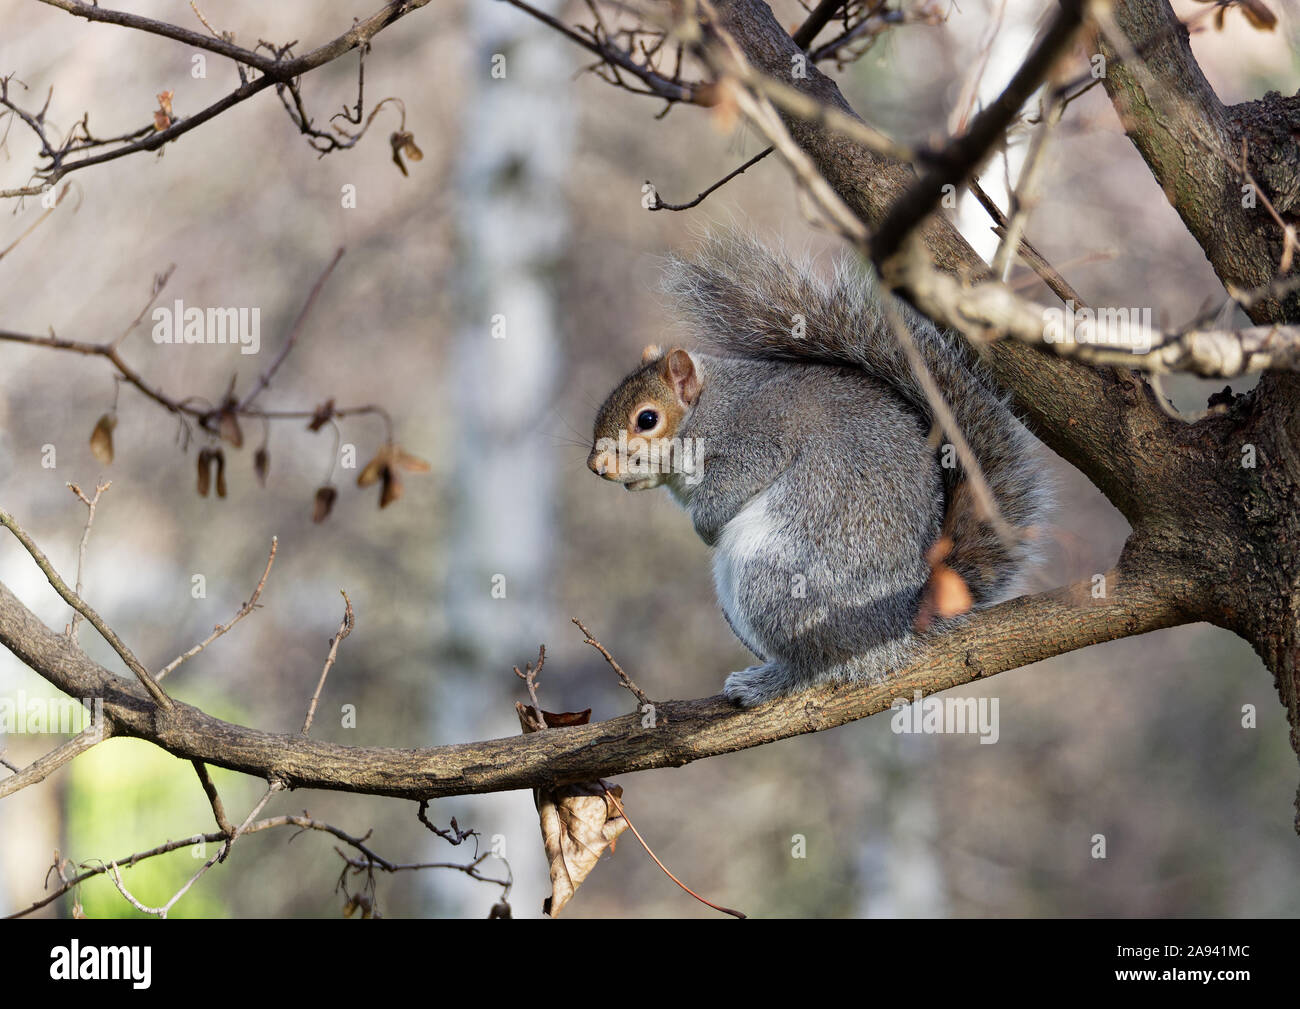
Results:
x,y
652,352
679,371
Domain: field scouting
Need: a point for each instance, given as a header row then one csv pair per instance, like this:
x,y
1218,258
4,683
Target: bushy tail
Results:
x,y
743,299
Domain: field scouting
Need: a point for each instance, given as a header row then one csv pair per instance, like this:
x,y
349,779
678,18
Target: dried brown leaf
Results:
x,y
261,464
578,821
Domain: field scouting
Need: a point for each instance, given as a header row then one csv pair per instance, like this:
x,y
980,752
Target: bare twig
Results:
x,y
221,629
220,856
91,504
453,834
622,676
816,21
210,790
623,813
277,69
530,675
1035,259
302,821
661,205
159,282
345,628
988,508
1025,195
264,379
38,222
621,59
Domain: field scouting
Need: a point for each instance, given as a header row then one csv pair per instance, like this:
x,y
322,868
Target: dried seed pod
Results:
x,y
403,143
205,471
392,489
220,458
324,504
228,428
101,439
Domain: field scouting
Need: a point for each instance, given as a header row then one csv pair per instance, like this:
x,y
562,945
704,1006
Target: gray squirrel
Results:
x,y
801,444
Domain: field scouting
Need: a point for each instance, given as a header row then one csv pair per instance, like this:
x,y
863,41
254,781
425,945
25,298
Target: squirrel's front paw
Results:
x,y
757,684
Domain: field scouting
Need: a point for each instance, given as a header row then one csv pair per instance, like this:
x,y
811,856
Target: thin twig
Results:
x,y
221,629
1025,195
530,676
302,821
1035,259
345,628
623,813
988,506
264,379
622,676
661,205
210,790
90,504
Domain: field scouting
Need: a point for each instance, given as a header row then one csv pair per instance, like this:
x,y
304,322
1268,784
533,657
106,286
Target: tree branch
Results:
x,y
989,643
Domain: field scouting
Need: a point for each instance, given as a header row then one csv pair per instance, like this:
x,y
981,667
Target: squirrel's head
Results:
x,y
632,441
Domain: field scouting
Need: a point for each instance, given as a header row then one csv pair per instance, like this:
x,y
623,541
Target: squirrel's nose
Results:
x,y
599,463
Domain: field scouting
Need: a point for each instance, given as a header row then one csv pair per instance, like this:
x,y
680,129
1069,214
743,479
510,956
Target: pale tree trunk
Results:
x,y
515,143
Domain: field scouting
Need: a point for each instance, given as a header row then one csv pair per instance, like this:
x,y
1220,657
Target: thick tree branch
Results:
x,y
994,641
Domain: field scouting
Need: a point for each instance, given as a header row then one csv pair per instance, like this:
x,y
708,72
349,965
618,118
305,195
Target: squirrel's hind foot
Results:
x,y
757,685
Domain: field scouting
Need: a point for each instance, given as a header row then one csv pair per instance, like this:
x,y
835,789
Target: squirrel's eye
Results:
x,y
646,419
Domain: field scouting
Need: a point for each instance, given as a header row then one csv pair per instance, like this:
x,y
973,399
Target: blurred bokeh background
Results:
x,y
525,214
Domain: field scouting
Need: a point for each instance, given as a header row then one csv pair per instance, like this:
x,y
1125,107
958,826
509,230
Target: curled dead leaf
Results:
x,y
403,143
579,822
101,439
162,115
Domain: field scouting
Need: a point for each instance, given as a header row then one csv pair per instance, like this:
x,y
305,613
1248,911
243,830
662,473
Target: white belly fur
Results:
x,y
745,537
